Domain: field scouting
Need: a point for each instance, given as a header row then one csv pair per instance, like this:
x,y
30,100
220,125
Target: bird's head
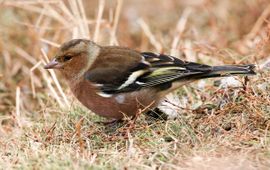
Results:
x,y
74,57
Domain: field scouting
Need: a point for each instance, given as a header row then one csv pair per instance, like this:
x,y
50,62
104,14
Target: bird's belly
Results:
x,y
116,106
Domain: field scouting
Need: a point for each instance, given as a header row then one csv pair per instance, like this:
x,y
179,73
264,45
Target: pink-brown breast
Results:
x,y
115,106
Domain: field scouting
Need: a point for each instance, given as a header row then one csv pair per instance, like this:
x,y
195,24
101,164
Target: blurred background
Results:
x,y
205,31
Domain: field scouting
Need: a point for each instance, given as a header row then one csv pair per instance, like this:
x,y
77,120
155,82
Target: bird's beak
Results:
x,y
53,64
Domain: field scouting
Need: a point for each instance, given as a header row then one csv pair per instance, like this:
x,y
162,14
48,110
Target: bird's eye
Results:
x,y
67,57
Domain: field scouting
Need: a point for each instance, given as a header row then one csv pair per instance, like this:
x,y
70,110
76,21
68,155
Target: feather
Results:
x,y
143,70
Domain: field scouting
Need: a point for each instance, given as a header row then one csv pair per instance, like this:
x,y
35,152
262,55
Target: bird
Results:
x,y
117,82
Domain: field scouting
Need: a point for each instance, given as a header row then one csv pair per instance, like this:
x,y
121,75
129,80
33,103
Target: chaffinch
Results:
x,y
115,81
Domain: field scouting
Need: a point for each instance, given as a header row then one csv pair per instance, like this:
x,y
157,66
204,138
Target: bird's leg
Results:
x,y
156,113
110,122
130,123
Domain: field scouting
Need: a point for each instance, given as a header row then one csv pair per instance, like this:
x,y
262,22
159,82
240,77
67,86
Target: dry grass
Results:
x,y
43,127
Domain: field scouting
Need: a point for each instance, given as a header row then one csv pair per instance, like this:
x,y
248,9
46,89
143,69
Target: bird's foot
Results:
x,y
110,122
157,114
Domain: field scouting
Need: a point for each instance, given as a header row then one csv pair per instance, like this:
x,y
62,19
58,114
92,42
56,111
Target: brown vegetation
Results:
x,y
42,126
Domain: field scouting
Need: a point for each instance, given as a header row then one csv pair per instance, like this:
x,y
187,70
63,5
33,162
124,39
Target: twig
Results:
x,y
50,132
28,2
41,16
25,55
56,15
99,17
255,29
84,19
181,25
113,40
64,8
56,80
81,30
78,133
49,83
50,42
150,35
18,112
32,78
50,13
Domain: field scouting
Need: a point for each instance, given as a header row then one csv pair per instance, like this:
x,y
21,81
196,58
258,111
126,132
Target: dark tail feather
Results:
x,y
227,70
235,69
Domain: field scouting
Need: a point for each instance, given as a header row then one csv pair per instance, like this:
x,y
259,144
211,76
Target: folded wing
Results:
x,y
144,70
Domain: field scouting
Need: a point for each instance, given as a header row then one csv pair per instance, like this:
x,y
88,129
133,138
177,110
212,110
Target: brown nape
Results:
x,y
72,43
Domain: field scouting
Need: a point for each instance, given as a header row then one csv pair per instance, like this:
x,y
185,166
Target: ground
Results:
x,y
220,123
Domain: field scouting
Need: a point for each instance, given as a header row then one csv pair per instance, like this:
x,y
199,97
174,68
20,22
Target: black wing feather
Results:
x,y
159,70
